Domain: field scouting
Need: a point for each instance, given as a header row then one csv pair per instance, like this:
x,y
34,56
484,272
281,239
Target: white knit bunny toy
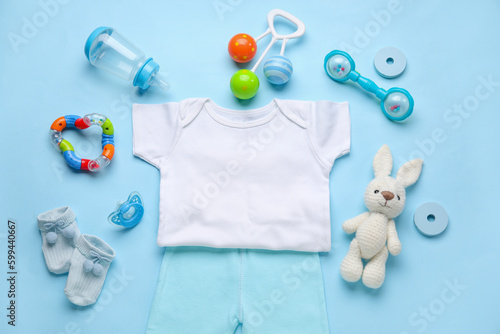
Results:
x,y
375,230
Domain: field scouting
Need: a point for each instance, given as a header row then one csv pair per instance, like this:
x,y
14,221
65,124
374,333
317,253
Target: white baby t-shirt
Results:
x,y
243,178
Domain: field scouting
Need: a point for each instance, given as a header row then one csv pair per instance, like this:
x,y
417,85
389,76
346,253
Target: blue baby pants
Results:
x,y
210,291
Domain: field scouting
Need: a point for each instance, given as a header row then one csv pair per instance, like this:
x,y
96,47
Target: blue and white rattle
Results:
x,y
279,69
128,213
396,103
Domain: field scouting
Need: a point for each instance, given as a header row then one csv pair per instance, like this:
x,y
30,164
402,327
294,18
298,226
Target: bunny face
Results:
x,y
386,194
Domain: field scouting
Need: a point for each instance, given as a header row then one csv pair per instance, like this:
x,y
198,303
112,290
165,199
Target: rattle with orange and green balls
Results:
x,y
278,69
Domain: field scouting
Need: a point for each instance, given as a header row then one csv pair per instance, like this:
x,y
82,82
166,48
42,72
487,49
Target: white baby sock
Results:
x,y
59,233
89,265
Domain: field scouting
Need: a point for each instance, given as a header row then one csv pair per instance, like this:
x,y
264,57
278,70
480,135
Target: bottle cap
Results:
x,y
143,76
93,36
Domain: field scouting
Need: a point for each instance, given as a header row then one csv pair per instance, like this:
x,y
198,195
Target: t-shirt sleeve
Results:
x,y
155,130
329,128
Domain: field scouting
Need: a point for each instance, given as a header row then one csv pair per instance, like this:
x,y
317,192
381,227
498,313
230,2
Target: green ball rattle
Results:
x,y
244,84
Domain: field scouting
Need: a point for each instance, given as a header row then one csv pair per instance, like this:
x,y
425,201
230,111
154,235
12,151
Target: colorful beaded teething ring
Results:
x,y
80,123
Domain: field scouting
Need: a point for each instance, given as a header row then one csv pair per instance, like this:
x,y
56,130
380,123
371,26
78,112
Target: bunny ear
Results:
x,y
382,163
409,173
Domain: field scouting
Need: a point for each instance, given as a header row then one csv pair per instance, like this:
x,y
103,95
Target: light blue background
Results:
x,y
450,46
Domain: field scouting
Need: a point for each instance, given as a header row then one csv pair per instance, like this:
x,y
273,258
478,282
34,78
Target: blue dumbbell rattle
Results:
x,y
396,103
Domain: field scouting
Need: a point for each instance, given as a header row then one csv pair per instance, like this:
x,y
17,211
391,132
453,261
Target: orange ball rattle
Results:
x,y
242,48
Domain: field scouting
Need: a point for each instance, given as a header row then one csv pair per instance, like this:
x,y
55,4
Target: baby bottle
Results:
x,y
107,49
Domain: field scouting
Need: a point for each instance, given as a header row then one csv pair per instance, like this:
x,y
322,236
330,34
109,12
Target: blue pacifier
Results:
x,y
396,103
128,213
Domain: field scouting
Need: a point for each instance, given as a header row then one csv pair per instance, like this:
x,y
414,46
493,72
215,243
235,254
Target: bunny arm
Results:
x,y
351,225
393,242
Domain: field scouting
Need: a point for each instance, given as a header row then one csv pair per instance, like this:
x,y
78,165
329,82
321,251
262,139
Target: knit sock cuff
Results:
x,y
63,216
87,244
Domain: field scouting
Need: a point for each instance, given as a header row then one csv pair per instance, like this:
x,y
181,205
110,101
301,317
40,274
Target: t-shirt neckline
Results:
x,y
268,111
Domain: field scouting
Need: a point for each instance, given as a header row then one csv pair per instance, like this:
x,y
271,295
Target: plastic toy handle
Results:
x,y
301,28
367,84
254,68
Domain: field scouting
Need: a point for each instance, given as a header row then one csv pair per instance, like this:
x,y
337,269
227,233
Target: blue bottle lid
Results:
x,y
93,36
149,68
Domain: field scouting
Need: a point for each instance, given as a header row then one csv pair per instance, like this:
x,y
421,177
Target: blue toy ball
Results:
x,y
278,70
